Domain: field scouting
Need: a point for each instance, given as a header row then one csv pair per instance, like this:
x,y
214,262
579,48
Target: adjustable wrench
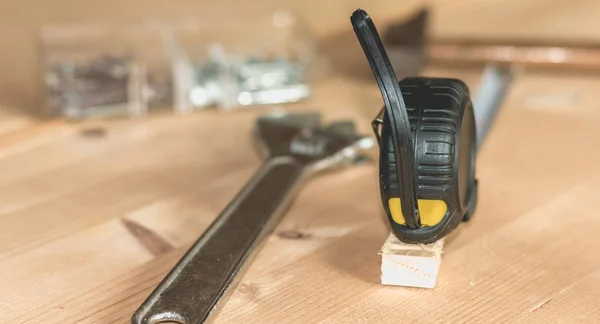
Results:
x,y
295,146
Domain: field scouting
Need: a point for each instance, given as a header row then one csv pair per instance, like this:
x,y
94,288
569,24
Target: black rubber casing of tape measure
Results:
x,y
443,128
427,138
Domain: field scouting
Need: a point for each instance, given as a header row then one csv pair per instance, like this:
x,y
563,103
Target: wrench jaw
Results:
x,y
275,132
343,150
303,138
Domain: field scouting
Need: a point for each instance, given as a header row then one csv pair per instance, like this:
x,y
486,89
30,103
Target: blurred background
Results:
x,y
21,63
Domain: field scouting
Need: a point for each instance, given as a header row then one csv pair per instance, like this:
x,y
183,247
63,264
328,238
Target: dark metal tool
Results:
x,y
493,87
410,48
295,147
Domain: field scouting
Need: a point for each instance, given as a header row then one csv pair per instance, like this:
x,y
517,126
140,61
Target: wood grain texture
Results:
x,y
95,223
410,265
90,224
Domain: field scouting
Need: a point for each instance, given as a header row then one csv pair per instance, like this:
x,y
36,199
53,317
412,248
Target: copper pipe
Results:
x,y
571,56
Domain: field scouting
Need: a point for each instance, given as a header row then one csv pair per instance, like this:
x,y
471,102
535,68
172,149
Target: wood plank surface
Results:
x,y
93,215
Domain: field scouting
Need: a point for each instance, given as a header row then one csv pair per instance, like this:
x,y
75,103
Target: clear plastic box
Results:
x,y
106,70
233,63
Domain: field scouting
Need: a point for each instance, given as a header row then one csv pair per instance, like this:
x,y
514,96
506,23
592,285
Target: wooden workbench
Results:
x,y
93,215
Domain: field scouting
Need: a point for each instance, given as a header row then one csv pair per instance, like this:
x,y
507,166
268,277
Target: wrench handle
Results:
x,y
197,287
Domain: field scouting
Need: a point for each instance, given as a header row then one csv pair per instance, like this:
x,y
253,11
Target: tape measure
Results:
x,y
427,139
